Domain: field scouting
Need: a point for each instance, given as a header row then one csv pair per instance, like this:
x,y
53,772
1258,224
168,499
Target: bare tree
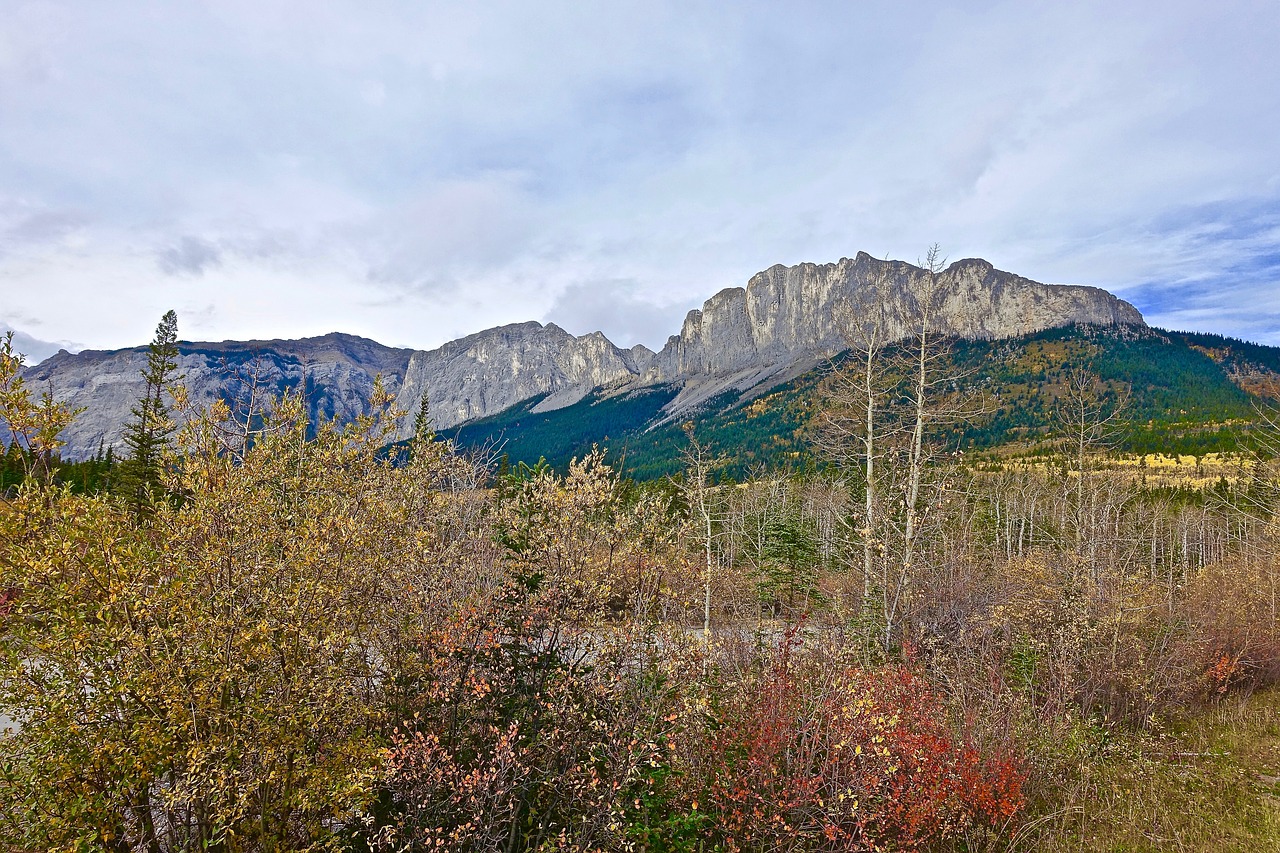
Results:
x,y
926,353
699,465
853,423
882,406
1090,419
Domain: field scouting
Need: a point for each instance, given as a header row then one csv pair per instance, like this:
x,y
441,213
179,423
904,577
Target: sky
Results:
x,y
418,171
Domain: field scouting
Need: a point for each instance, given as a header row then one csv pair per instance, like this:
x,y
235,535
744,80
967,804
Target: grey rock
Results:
x,y
783,322
489,371
785,312
337,370
790,316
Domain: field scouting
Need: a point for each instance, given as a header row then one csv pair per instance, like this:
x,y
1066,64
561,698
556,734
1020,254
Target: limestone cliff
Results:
x,y
788,316
787,311
336,369
486,372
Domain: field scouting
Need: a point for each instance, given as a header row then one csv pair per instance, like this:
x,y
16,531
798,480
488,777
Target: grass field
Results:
x,y
1155,470
1207,783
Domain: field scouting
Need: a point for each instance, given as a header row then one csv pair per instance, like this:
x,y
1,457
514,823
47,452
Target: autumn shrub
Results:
x,y
224,673
1231,612
816,755
547,711
604,552
535,736
1071,636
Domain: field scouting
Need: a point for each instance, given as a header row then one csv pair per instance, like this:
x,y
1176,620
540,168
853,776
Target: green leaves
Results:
x,y
29,429
147,434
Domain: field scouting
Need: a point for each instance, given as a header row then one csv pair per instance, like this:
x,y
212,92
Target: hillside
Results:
x,y
1186,393
334,371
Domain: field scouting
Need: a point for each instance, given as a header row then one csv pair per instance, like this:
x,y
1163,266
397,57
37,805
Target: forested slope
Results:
x,y
1178,392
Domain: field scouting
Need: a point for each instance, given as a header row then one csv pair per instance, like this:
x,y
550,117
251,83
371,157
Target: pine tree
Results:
x,y
150,428
422,431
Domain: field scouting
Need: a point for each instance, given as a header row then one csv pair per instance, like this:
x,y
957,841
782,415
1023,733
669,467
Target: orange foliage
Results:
x,y
842,758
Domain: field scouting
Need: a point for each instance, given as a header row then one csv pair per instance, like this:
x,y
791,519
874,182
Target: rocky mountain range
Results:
x,y
782,323
491,370
336,370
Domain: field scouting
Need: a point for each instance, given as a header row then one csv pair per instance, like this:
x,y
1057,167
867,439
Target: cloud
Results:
x,y
618,308
450,231
418,171
199,317
34,349
189,256
45,226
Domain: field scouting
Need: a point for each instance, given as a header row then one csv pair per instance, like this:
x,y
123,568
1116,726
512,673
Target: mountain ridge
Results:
x,y
336,370
784,321
1187,393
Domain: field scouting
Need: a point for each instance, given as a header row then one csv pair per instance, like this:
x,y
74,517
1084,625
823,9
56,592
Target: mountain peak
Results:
x,y
491,370
784,319
787,313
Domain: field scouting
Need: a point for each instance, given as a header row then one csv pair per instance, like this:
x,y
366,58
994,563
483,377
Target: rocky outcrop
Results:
x,y
786,312
784,321
336,371
487,372
789,316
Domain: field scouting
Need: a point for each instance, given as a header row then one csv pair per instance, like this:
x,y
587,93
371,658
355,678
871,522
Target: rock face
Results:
x,y
487,372
786,311
784,321
789,316
338,371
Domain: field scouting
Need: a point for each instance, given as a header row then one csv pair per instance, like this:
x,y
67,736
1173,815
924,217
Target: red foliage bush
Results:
x,y
842,758
7,598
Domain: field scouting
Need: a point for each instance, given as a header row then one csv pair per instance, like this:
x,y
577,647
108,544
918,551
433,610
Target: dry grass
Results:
x,y
1211,783
1151,469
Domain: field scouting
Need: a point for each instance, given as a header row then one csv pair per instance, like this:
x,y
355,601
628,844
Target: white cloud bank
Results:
x,y
415,172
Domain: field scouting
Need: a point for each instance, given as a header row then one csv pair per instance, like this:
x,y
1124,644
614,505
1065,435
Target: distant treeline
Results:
x,y
1178,393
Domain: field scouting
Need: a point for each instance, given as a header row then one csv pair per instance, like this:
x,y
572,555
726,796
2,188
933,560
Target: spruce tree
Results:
x,y
146,434
422,431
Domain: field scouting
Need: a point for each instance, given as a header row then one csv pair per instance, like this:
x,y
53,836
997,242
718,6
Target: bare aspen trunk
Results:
x,y
869,446
706,599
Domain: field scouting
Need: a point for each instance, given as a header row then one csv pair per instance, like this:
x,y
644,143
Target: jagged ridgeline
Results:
x,y
336,370
783,323
746,369
1186,394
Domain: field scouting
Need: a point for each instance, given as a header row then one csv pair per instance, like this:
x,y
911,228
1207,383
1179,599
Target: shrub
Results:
x,y
819,756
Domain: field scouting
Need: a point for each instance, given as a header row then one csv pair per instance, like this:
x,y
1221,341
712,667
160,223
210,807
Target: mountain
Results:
x,y
786,320
743,340
493,370
1187,393
337,370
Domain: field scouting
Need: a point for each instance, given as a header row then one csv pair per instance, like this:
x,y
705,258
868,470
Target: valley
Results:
x,y
993,549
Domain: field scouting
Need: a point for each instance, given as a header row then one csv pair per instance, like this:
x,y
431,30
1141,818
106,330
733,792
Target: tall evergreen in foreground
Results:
x,y
150,426
422,429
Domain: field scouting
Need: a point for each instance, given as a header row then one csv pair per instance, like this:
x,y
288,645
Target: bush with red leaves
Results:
x,y
842,758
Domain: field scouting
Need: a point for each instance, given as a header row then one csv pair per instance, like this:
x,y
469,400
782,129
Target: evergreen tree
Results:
x,y
13,467
150,428
422,431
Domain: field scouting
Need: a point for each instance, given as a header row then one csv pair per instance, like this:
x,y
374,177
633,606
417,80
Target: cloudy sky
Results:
x,y
416,171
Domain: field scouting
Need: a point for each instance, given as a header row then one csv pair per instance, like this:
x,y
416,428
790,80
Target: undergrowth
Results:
x,y
1208,782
